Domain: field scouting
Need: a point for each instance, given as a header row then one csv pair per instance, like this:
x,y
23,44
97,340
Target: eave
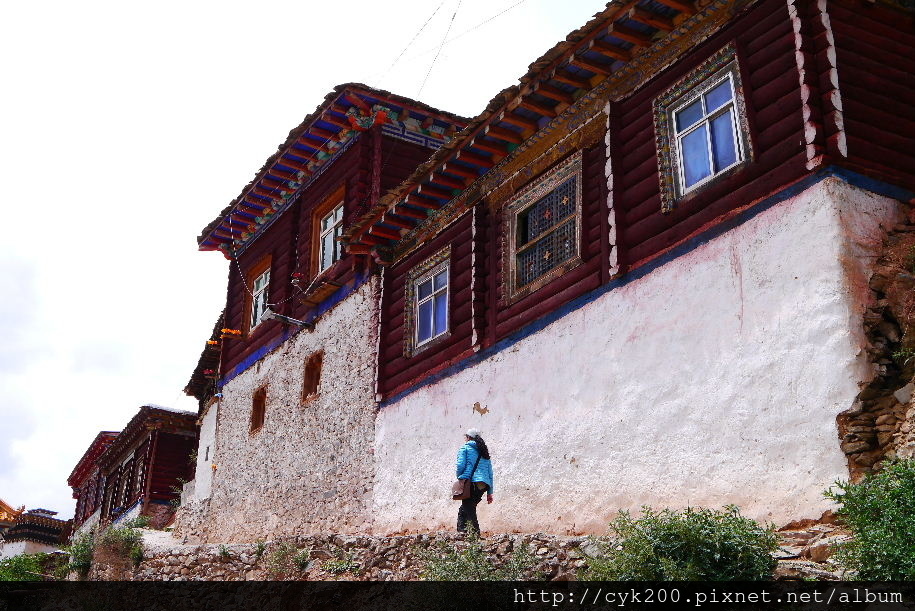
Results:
x,y
347,111
604,50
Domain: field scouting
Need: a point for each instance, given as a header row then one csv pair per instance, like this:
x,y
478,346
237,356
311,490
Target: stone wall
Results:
x,y
714,378
804,553
309,468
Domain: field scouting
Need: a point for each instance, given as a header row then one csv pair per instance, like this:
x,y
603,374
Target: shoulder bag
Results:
x,y
461,488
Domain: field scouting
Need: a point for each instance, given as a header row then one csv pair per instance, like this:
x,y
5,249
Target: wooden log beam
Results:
x,y
684,6
504,134
459,170
404,211
533,106
496,148
587,64
522,122
251,210
609,50
276,184
322,133
423,202
629,35
430,191
357,102
384,232
256,203
281,174
554,93
479,160
268,194
651,19
294,164
390,219
358,249
328,118
373,240
570,79
448,181
224,234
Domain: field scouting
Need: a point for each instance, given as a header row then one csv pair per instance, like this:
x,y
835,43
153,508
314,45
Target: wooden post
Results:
x,y
153,446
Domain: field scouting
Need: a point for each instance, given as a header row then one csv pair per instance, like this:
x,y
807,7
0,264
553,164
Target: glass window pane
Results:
x,y
696,164
441,313
424,324
441,279
718,96
689,115
425,289
723,146
327,250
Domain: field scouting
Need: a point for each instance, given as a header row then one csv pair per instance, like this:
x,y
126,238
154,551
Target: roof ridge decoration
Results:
x,y
656,39
347,111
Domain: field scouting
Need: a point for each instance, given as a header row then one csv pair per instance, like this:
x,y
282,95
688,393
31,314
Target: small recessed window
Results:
x,y
258,409
331,229
312,377
259,295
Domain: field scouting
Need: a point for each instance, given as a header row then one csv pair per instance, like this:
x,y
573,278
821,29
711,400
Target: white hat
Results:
x,y
473,432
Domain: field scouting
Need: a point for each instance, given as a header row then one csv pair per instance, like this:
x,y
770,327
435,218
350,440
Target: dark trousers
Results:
x,y
467,514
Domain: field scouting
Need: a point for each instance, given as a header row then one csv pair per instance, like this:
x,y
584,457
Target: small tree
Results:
x,y
693,545
24,567
879,510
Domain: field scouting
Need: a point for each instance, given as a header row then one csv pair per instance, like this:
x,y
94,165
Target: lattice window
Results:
x,y
545,224
331,229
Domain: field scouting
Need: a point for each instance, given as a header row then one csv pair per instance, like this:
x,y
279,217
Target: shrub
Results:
x,y
24,567
287,560
694,545
879,512
343,563
126,541
446,562
81,550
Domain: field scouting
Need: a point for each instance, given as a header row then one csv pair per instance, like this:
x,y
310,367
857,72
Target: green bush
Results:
x,y
24,567
446,562
81,550
287,560
879,510
692,545
126,541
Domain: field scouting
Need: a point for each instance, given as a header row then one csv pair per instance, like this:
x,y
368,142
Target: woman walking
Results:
x,y
473,463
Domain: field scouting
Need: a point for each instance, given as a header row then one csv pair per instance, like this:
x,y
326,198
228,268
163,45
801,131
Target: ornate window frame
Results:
x,y
570,169
720,66
417,275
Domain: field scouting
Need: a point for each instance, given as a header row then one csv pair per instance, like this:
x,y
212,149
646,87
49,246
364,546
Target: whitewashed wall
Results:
x,y
715,378
310,467
203,473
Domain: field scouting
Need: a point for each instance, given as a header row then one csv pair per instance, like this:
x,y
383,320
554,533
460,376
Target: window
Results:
x,y
432,305
259,295
258,409
544,230
426,302
331,228
701,127
312,377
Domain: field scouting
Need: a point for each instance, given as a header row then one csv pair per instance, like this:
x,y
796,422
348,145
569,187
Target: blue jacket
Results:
x,y
466,458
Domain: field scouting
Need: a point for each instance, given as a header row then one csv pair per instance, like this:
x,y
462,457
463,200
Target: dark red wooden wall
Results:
x,y
765,54
875,51
170,463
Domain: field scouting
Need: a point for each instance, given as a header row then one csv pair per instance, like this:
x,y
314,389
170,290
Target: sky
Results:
x,y
126,127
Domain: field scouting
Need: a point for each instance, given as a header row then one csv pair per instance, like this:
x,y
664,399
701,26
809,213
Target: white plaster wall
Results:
x,y
203,474
90,523
15,548
715,378
310,467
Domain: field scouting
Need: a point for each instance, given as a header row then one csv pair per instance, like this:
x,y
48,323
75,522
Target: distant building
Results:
x,y
8,516
33,532
138,471
88,482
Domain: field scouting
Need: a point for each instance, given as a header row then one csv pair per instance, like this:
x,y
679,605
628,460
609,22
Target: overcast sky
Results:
x,y
126,127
